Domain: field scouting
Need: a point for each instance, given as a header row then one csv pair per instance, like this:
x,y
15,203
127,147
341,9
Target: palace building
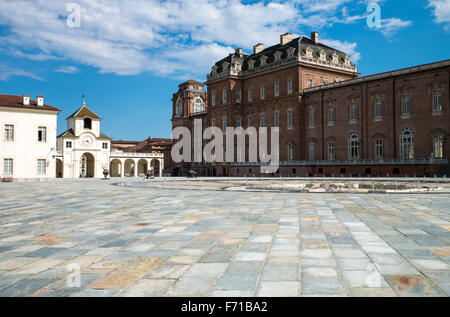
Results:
x,y
332,121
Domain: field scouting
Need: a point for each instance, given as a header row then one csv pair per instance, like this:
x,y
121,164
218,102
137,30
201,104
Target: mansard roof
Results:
x,y
17,102
299,44
84,112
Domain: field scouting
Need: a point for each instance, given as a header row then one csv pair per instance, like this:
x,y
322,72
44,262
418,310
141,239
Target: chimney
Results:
x,y
40,100
315,37
238,52
258,48
285,38
26,100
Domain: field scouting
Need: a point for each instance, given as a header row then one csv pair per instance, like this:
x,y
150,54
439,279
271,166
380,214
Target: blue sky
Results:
x,y
129,56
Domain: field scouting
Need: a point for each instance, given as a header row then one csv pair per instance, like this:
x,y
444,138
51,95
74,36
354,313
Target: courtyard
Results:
x,y
142,238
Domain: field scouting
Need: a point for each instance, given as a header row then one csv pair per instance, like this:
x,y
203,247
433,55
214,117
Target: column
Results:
x,y
161,164
122,167
135,168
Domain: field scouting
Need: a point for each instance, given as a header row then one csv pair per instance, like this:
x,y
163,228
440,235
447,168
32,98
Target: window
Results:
x,y
105,145
378,149
378,108
290,118
324,83
309,83
224,124
438,146
42,134
405,104
353,111
41,167
331,147
277,89
407,144
224,96
289,86
312,116
250,121
213,97
179,111
437,100
353,147
290,152
330,115
263,92
277,119
238,122
87,123
213,123
9,132
238,96
250,94
198,105
263,121
69,144
8,166
312,151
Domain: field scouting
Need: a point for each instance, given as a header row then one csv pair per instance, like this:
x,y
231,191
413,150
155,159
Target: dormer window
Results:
x,y
347,60
214,69
225,66
309,52
87,123
335,58
263,60
277,56
323,55
251,64
290,52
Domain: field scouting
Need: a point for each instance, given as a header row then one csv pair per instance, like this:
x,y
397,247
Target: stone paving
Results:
x,y
131,241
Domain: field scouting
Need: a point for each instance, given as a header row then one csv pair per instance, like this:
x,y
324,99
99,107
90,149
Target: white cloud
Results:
x,y
346,47
67,69
391,26
170,38
441,11
6,72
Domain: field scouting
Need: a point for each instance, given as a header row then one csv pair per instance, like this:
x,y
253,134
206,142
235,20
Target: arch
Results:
x,y
59,168
87,165
130,168
179,107
116,168
353,147
87,123
198,105
407,144
142,167
156,165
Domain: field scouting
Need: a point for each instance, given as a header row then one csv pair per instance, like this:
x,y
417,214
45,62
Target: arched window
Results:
x,y
198,105
438,146
179,110
331,150
407,144
290,152
87,123
353,147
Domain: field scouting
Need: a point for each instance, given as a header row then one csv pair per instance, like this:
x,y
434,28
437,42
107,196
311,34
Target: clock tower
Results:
x,y
85,150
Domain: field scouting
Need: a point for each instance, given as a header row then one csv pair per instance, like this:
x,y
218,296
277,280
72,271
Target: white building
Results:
x,y
31,149
28,140
83,151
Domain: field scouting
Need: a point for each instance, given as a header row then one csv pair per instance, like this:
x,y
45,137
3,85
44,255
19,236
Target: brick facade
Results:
x,y
323,108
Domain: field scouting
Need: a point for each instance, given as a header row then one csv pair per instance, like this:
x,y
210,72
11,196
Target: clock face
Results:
x,y
87,140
